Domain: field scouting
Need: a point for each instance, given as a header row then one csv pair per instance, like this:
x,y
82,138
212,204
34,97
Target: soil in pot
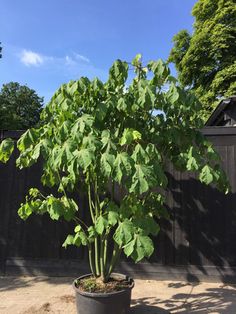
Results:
x,y
92,284
96,297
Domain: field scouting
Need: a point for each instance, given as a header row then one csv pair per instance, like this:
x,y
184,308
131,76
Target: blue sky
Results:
x,y
47,43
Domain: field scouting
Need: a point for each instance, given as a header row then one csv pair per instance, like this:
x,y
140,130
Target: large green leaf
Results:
x,y
84,157
70,208
147,97
70,240
97,85
24,211
122,104
160,71
123,165
147,224
118,73
143,179
206,175
101,224
91,142
107,163
152,152
129,248
82,124
64,130
36,152
129,135
143,247
113,213
107,141
192,163
92,233
113,218
6,149
124,232
80,237
27,139
172,94
55,208
140,155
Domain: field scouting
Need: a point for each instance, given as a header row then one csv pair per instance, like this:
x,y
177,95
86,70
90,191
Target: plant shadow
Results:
x,y
148,309
212,300
209,300
147,306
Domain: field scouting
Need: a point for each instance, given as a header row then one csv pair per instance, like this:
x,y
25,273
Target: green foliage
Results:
x,y
55,207
20,107
109,136
6,149
124,232
138,248
206,60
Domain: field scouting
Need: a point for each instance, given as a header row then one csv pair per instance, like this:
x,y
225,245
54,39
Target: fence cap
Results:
x,y
225,111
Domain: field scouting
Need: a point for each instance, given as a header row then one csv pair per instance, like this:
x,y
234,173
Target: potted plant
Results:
x,y
105,137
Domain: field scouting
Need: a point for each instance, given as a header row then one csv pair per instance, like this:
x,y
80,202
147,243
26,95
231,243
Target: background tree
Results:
x,y
206,61
20,107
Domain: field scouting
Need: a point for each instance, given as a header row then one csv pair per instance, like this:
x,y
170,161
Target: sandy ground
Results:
x,y
42,295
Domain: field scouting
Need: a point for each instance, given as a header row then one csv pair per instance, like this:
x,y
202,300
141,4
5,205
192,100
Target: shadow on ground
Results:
x,y
217,300
175,297
147,306
11,283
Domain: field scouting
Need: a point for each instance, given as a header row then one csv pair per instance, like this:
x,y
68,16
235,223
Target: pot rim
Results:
x,y
105,294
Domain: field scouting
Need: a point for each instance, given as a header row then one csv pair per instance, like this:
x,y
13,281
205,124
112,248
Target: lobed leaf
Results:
x,y
124,232
6,149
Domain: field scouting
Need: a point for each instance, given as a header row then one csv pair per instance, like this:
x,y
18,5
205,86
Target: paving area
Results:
x,y
45,295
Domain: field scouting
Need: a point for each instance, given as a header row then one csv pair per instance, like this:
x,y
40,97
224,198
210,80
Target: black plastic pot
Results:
x,y
117,302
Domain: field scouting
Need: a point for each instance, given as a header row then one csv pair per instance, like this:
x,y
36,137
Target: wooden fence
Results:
x,y
198,243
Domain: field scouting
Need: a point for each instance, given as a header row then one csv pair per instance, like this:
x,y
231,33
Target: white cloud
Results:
x,y
69,61
81,57
30,58
76,59
70,66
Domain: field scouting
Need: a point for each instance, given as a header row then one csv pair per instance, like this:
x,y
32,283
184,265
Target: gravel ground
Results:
x,y
44,295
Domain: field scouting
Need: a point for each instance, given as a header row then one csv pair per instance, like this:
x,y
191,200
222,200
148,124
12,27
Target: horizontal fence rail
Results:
x,y
198,243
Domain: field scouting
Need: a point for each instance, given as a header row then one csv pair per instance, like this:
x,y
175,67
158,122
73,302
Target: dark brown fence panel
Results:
x,y
38,236
199,238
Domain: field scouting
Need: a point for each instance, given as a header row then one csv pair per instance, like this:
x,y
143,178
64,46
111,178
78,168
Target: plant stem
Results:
x,y
115,256
96,257
78,220
105,252
102,258
91,262
96,197
90,203
95,217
